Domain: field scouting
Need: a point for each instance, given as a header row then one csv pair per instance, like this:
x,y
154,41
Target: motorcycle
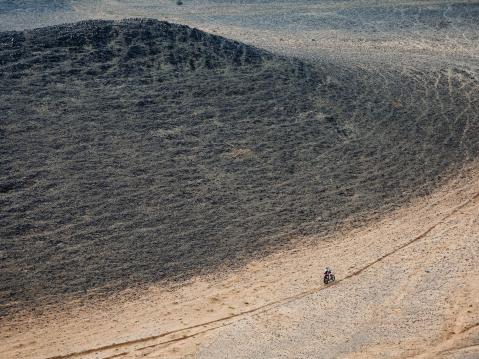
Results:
x,y
328,278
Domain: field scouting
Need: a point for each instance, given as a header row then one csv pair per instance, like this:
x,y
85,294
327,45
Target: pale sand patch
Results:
x,y
395,263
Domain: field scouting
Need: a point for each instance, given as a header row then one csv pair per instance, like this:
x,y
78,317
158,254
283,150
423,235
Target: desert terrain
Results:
x,y
175,191
407,287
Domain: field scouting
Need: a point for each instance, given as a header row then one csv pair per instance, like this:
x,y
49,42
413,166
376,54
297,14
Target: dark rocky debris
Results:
x,y
140,151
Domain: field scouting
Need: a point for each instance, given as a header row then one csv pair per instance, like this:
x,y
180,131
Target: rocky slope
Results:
x,y
140,151
406,288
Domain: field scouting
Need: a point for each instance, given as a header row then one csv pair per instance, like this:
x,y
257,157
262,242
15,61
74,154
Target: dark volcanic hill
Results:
x,y
140,151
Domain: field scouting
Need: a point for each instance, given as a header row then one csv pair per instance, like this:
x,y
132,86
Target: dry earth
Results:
x,y
393,32
408,283
408,287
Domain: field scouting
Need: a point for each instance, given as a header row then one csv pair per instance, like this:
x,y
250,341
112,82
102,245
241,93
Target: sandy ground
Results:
x,y
408,286
395,32
392,32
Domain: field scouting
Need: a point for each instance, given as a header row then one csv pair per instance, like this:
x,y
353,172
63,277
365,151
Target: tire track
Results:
x,y
435,351
466,347
265,307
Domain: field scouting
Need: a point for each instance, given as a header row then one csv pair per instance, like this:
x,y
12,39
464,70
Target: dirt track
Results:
x,y
407,287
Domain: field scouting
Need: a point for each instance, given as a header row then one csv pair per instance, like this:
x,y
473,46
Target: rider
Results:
x,y
327,271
